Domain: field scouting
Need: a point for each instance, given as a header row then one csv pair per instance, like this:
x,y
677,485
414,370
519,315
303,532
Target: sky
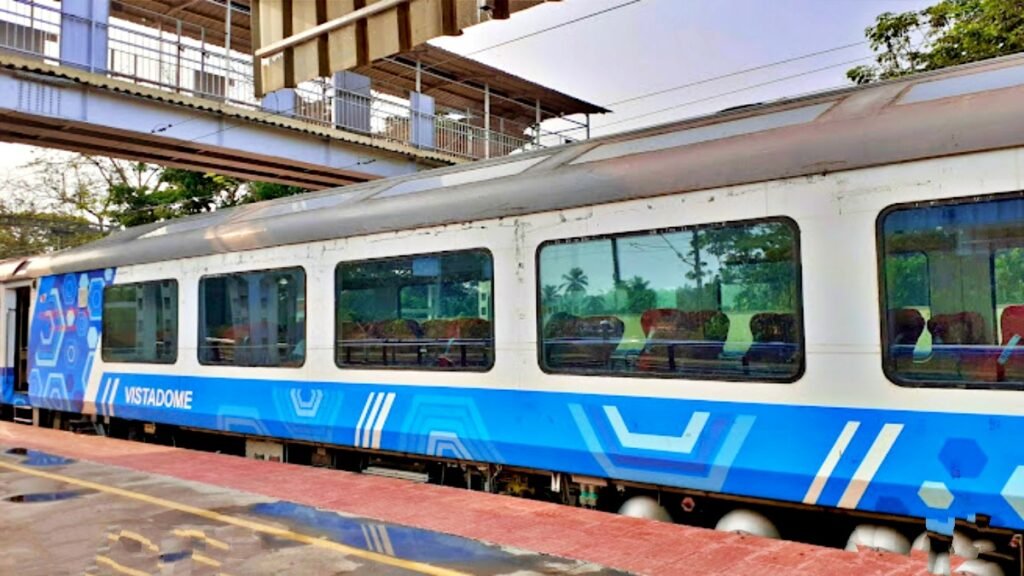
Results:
x,y
653,45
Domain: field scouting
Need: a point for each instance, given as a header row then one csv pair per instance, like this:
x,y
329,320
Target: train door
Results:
x,y
17,302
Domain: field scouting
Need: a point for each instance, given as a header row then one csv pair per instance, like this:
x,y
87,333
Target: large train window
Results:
x,y
140,322
253,318
719,302
953,298
427,312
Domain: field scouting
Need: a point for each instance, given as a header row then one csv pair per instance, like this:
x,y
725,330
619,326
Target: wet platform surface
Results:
x,y
64,516
72,504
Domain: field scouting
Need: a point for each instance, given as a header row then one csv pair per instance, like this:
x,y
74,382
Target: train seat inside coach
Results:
x,y
677,338
454,342
457,341
961,346
905,328
1010,362
581,342
775,341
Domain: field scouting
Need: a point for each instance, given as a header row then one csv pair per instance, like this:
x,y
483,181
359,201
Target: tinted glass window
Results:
x,y
140,322
718,302
429,312
253,318
954,293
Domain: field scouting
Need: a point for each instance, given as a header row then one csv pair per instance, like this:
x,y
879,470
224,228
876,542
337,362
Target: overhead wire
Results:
x,y
736,73
731,92
531,34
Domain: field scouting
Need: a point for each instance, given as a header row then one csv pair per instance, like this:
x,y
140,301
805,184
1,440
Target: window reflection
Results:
x,y
140,322
716,302
429,312
253,318
954,292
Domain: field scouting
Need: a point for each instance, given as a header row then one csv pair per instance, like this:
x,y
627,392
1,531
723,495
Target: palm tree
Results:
x,y
575,282
549,298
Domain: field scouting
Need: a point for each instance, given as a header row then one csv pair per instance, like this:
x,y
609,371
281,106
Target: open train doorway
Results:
x,y
17,303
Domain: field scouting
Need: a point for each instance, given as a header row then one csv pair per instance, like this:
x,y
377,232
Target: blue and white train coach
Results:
x,y
803,317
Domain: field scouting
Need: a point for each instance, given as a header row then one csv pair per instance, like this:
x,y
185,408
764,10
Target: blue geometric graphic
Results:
x,y
64,337
962,458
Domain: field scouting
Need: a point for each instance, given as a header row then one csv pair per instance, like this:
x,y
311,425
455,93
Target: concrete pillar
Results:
x,y
421,119
487,121
83,33
352,101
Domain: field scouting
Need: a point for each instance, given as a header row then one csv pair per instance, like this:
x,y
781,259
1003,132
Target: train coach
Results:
x,y
801,318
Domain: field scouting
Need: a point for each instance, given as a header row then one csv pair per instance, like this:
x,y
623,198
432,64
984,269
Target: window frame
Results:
x,y
798,309
200,321
177,323
885,357
493,318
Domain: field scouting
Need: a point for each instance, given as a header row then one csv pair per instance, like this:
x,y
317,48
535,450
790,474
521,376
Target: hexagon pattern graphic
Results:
x,y
935,495
962,458
65,336
1013,492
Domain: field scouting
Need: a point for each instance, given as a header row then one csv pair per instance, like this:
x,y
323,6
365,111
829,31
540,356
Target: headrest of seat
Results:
x,y
958,328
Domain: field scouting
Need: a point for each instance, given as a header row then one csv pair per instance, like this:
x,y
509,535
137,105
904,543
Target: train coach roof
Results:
x,y
959,110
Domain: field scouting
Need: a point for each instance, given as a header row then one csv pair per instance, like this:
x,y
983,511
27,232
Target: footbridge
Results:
x,y
170,82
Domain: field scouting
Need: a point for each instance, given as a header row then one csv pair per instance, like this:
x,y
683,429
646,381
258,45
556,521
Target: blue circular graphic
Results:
x,y
70,290
95,297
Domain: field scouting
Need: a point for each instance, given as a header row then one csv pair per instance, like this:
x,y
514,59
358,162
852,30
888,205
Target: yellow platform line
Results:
x,y
120,568
129,535
283,533
200,535
197,557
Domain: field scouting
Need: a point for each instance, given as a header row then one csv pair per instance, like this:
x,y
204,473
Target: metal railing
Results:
x,y
173,55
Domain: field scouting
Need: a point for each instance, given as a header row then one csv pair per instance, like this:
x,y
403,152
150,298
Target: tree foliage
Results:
x,y
59,200
948,33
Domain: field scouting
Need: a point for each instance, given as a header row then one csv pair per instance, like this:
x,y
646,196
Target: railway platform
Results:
x,y
84,504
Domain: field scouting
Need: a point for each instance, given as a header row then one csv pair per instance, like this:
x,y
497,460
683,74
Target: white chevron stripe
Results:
x,y
362,419
107,385
379,427
870,465
679,444
113,397
385,539
830,462
371,544
365,442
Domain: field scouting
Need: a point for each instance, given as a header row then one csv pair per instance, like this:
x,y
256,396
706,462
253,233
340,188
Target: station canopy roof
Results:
x,y
453,81
458,82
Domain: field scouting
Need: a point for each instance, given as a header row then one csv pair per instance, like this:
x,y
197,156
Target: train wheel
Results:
x,y
645,507
871,537
744,521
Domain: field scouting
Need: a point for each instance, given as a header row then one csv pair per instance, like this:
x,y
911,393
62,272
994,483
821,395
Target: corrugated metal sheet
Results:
x,y
399,27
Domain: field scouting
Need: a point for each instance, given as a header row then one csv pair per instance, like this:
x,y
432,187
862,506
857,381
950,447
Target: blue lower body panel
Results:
x,y
929,465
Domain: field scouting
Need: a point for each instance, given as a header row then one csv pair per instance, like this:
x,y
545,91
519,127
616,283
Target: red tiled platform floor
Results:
x,y
630,544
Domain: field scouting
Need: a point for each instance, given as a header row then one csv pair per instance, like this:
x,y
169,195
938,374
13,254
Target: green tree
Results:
x,y
26,232
948,33
639,296
260,191
575,282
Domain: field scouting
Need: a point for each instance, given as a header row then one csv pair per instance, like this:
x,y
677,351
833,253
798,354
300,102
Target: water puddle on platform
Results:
x,y
46,496
171,557
415,544
39,459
